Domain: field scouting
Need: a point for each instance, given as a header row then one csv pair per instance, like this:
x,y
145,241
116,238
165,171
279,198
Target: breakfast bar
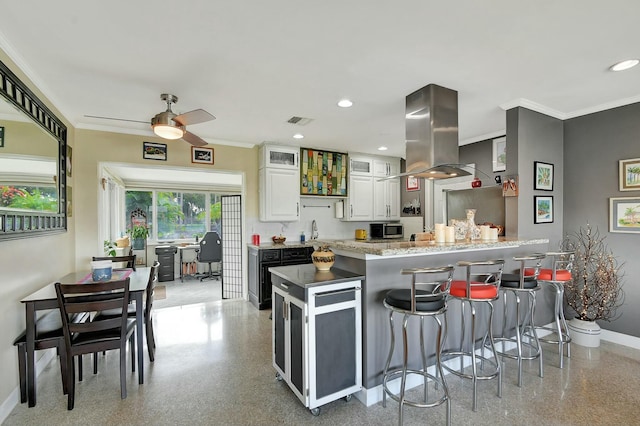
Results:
x,y
381,262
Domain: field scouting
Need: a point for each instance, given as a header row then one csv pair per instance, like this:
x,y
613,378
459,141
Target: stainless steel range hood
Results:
x,y
431,126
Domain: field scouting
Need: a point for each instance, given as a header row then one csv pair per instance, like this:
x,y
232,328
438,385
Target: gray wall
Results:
x,y
593,144
537,137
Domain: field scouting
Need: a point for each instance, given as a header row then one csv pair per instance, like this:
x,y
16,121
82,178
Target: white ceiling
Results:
x,y
254,64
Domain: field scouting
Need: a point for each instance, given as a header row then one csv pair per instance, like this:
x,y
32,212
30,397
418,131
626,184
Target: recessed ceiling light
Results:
x,y
345,103
382,148
624,65
298,136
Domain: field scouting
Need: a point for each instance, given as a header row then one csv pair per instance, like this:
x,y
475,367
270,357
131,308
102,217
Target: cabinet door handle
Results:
x,y
285,308
298,209
295,159
351,205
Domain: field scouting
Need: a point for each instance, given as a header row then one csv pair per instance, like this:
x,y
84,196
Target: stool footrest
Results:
x,y
438,382
566,338
524,344
450,357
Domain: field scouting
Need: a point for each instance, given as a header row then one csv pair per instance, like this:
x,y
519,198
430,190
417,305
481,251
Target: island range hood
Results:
x,y
431,126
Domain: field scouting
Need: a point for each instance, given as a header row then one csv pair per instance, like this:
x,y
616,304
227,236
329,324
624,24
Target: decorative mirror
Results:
x,y
33,163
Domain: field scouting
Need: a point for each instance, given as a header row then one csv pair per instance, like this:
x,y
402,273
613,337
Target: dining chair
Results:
x,y
131,312
97,335
130,260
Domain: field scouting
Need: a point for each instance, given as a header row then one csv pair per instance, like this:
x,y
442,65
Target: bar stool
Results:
x,y
521,284
480,287
557,276
428,301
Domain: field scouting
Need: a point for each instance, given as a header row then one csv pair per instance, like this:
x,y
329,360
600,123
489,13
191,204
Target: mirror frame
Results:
x,y
15,225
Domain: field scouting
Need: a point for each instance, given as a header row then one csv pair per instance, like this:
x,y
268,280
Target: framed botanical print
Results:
x,y
542,209
542,176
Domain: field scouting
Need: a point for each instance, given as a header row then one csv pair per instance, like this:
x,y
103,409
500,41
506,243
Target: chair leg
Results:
x,y
132,345
22,370
123,370
151,341
71,381
80,368
386,367
62,352
95,363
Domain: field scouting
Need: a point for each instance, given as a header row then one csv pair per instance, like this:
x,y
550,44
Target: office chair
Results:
x,y
210,252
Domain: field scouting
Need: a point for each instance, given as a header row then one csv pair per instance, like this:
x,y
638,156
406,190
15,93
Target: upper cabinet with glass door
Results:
x,y
280,157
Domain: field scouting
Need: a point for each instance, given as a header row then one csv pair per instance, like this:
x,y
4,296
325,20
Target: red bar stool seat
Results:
x,y
480,288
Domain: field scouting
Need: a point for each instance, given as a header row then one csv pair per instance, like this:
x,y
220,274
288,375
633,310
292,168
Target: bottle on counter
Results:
x,y
302,237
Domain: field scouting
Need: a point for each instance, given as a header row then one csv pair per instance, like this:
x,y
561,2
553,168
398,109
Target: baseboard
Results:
x,y
13,399
621,339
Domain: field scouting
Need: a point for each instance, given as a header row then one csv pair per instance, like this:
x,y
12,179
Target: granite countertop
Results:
x,y
308,276
287,244
403,247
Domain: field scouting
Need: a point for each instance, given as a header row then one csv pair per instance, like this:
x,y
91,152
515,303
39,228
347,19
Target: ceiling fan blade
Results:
x,y
193,139
193,117
116,119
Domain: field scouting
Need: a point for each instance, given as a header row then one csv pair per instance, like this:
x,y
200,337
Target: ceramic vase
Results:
x,y
323,258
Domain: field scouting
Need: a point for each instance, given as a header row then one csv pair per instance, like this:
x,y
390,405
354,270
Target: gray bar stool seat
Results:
x,y
428,301
519,285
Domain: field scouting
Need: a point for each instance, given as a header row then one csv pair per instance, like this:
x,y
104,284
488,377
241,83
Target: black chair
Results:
x,y
131,260
131,312
95,336
210,252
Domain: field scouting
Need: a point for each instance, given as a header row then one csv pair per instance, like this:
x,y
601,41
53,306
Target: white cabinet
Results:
x,y
386,199
386,166
280,157
359,205
360,166
317,340
279,196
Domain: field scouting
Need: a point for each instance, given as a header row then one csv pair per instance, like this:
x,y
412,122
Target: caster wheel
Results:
x,y
347,398
278,377
315,411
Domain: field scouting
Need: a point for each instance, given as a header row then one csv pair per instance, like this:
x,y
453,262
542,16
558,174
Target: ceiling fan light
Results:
x,y
167,131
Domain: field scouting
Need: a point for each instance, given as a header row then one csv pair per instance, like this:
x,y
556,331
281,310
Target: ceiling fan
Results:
x,y
169,125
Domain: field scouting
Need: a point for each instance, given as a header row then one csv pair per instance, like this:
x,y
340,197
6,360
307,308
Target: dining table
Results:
x,y
46,299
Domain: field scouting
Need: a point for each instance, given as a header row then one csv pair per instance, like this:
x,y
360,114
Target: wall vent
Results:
x,y
299,121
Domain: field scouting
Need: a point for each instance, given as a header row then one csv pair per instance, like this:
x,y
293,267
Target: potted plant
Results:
x,y
139,233
595,292
109,248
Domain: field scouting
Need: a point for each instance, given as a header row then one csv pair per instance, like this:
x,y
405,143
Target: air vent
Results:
x,y
299,121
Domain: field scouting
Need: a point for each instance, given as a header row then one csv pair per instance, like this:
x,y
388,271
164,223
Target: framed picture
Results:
x,y
201,155
542,176
154,151
500,154
1,136
542,209
629,174
624,214
323,173
413,183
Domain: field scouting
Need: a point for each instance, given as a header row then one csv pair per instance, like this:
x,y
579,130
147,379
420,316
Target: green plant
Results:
x,y
109,248
595,292
139,232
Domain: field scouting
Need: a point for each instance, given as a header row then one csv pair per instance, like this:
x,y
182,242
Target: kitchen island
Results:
x,y
381,262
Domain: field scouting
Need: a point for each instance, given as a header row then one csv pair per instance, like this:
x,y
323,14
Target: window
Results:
x,y
174,215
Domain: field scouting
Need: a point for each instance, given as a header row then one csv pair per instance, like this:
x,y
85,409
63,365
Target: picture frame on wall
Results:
x,y
154,151
413,183
201,155
542,176
499,154
542,209
629,171
624,215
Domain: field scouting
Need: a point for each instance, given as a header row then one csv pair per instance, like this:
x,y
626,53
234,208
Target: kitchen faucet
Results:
x,y
314,230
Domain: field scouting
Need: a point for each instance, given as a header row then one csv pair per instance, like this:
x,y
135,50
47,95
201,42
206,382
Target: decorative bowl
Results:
x,y
278,240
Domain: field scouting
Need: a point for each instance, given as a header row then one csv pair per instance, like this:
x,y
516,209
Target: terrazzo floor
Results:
x,y
213,367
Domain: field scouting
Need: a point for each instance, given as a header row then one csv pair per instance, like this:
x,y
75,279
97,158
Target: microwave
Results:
x,y
386,230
